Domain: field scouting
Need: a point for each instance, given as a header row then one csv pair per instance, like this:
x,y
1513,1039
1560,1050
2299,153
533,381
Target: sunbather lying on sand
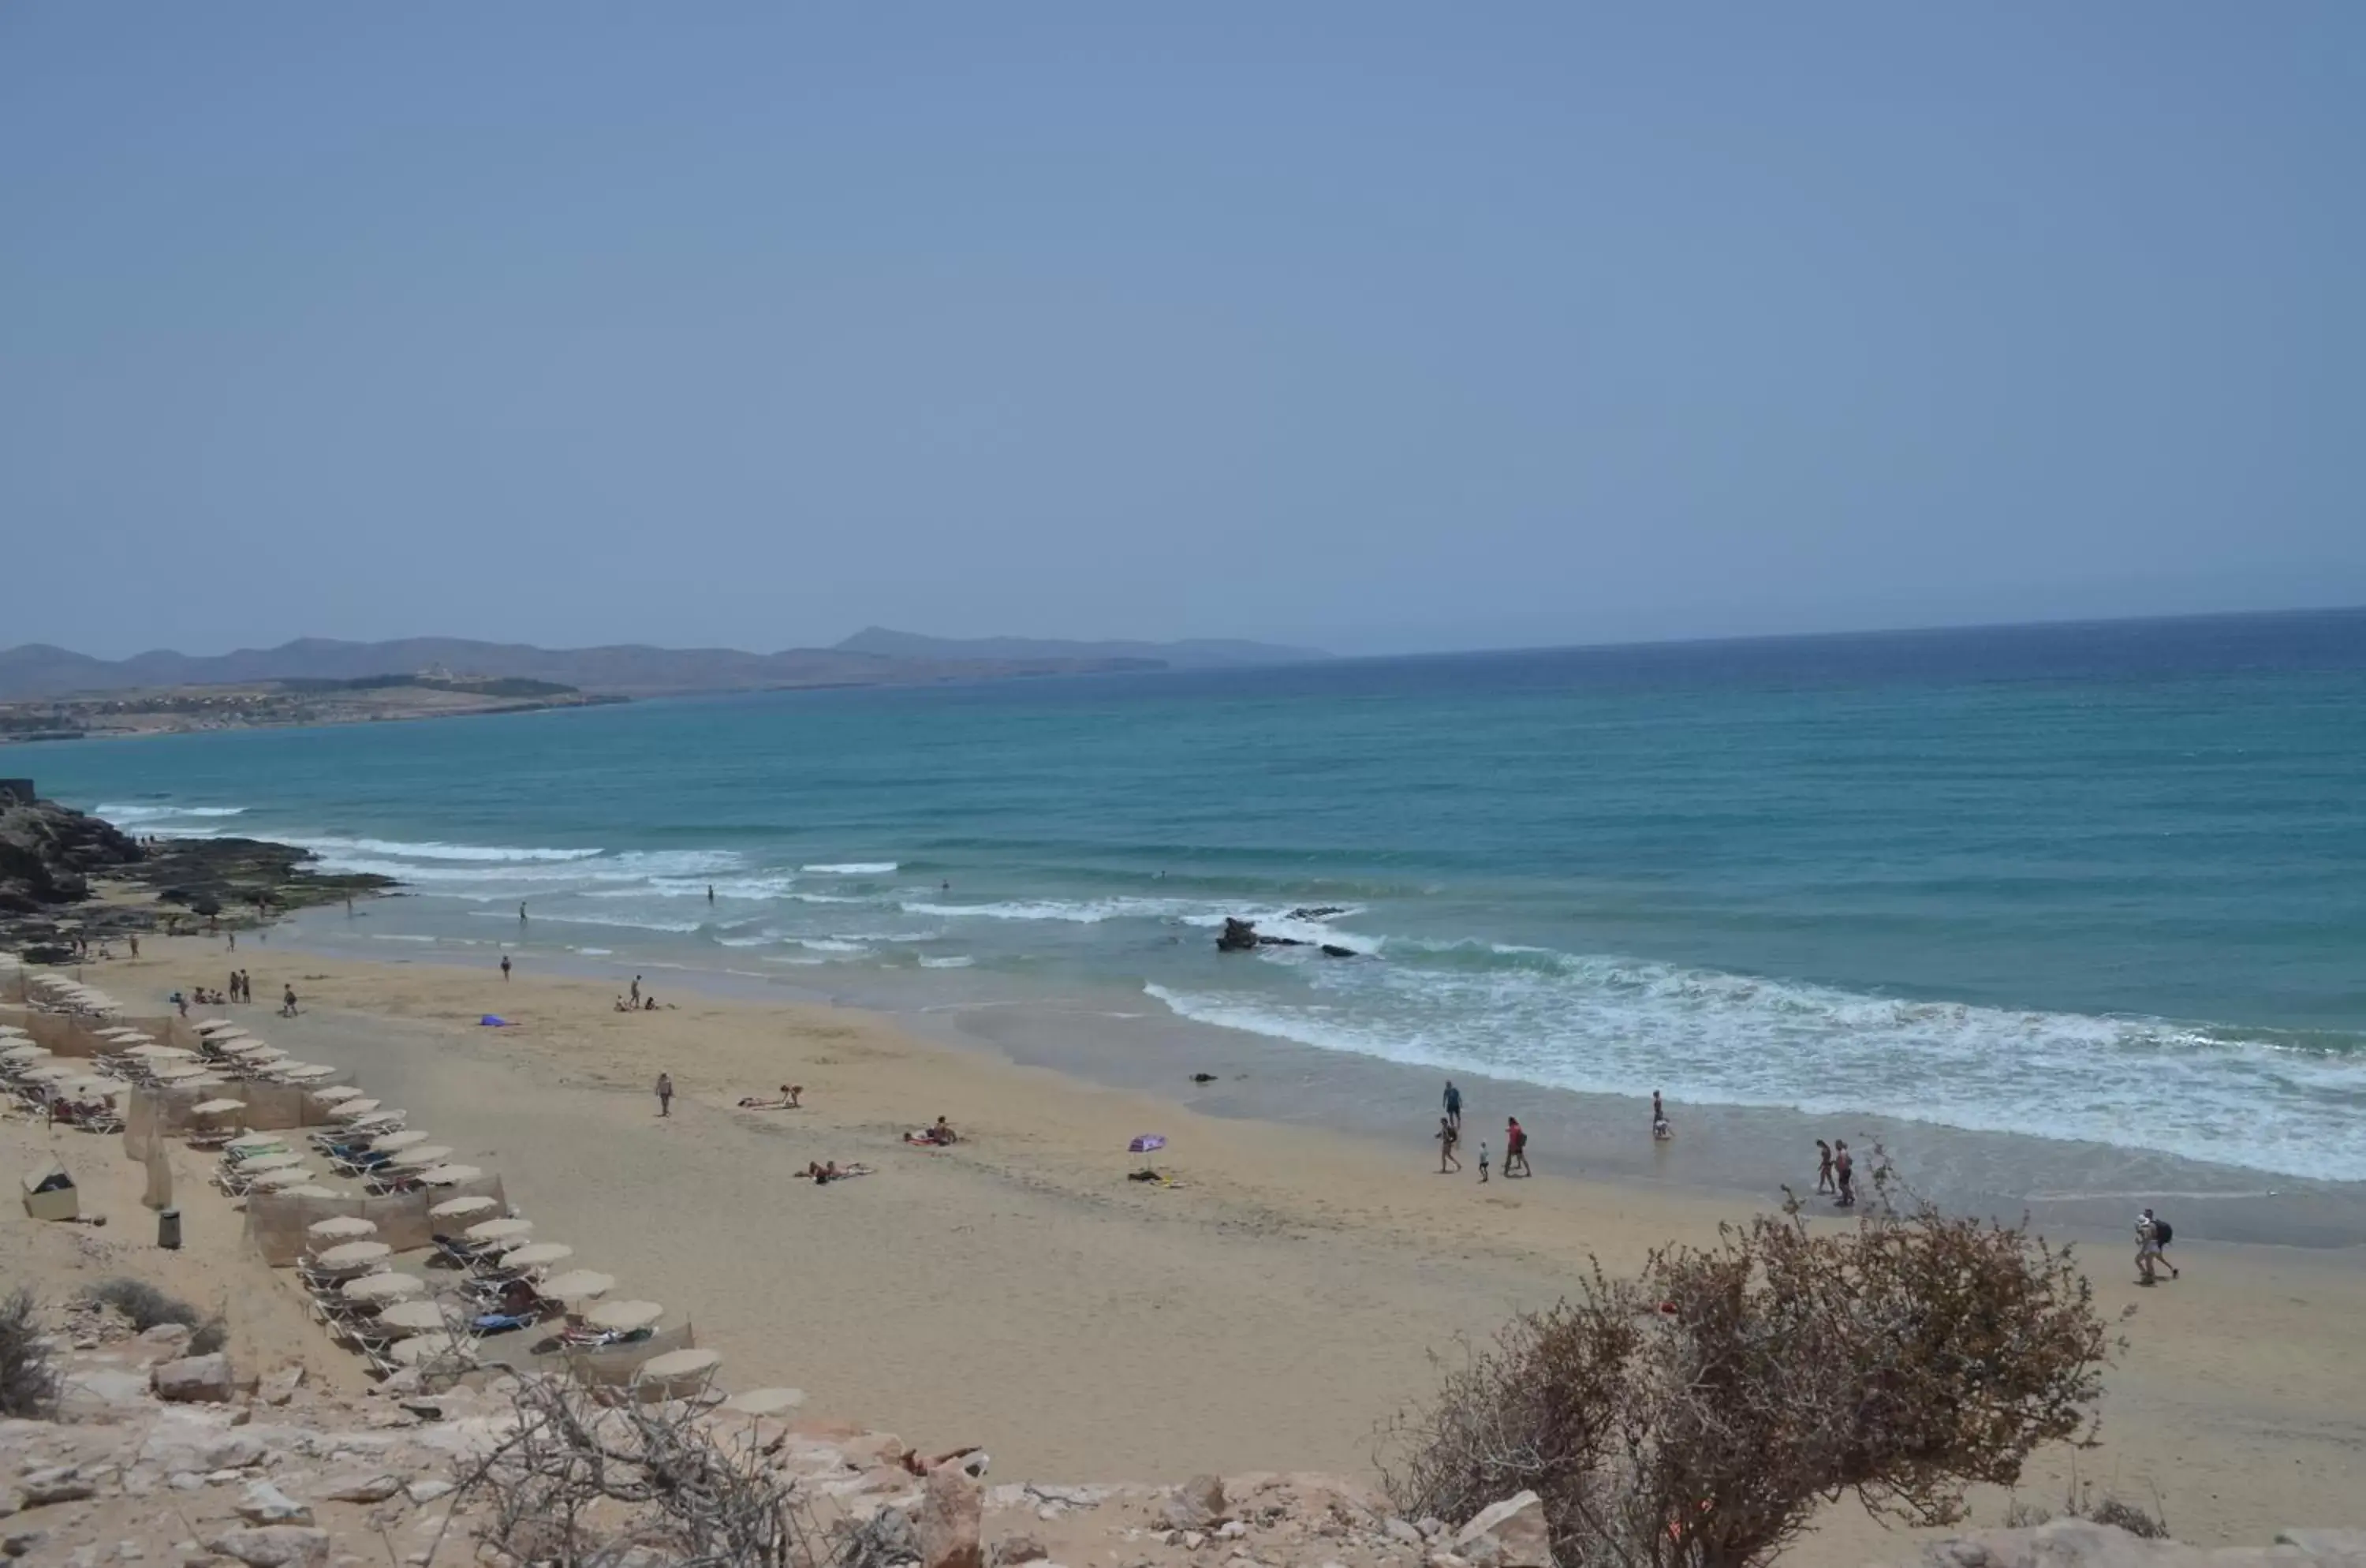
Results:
x,y
833,1171
941,1135
791,1099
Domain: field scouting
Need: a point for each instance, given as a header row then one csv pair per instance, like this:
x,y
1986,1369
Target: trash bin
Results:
x,y
168,1228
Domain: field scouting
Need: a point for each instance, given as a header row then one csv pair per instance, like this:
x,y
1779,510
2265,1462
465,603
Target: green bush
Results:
x,y
28,1379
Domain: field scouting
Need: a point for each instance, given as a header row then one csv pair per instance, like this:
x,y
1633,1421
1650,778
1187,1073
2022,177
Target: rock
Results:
x,y
99,1392
1401,1531
1232,1529
58,1484
1431,1527
16,1543
1238,936
196,1379
1013,1548
1197,1504
425,1491
266,1505
361,1488
278,1388
165,1342
274,1546
1509,1534
952,1509
186,1481
874,1449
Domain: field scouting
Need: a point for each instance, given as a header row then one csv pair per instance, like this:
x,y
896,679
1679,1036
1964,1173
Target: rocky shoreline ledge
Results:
x,y
67,879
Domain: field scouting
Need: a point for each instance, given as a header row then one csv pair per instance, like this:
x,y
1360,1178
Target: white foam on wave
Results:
x,y
435,849
955,960
676,928
828,944
1618,1026
1074,911
856,868
124,813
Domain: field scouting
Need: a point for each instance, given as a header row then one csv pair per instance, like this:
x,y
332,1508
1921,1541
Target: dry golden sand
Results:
x,y
1017,1291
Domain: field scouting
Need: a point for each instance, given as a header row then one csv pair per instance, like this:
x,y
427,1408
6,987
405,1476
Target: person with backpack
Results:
x,y
2153,1236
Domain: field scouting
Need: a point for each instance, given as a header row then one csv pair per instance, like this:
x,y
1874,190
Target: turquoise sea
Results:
x,y
2104,881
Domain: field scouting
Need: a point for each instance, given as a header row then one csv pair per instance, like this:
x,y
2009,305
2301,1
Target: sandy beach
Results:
x,y
1266,1312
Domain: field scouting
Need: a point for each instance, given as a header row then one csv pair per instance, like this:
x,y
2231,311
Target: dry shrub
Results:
x,y
1696,1416
146,1306
28,1378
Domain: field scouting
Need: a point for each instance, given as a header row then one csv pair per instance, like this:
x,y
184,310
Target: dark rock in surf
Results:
x,y
1318,912
1333,950
1238,936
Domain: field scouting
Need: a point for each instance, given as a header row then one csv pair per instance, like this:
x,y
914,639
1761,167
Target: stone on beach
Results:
x,y
953,1510
1509,1534
195,1379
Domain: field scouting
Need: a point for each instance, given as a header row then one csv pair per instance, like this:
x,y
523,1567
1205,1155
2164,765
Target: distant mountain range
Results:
x,y
873,657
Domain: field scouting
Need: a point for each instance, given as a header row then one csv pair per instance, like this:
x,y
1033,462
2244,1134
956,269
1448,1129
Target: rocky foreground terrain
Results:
x,y
158,1456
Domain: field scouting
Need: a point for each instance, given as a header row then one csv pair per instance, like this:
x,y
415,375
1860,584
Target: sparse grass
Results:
x,y
28,1379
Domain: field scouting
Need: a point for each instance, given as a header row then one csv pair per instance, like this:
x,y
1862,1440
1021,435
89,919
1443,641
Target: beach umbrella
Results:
x,y
422,1157
537,1255
1147,1143
128,1035
624,1317
354,1109
576,1285
415,1317
106,1088
765,1401
355,1254
283,1180
218,1108
240,1045
336,1094
387,1286
218,1026
450,1175
180,1071
342,1228
260,1163
50,1072
161,1053
378,1118
309,1191
391,1142
676,1365
459,1208
26,1052
306,1074
255,1144
499,1230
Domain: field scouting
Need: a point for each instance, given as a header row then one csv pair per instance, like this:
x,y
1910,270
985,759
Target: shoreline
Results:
x,y
1017,1290
1730,1153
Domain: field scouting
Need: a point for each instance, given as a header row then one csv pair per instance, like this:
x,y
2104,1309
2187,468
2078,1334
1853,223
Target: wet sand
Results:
x,y
1018,1291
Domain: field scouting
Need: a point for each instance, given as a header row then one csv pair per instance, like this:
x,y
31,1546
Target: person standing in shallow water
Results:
x,y
1824,1167
665,1094
505,966
1454,1105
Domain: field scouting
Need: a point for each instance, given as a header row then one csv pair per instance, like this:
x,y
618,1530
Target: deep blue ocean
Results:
x,y
2102,882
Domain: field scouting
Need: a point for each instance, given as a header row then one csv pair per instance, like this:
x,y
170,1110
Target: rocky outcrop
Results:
x,y
49,853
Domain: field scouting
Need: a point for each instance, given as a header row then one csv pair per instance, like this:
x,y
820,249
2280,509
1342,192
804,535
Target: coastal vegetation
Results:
x,y
1698,1414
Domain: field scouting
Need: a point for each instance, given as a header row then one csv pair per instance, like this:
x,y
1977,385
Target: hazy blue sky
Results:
x,y
1385,326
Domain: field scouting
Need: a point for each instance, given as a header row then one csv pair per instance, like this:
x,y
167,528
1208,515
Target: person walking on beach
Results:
x,y
636,990
1454,1105
1446,1138
665,1094
1515,1149
287,1003
521,914
1844,1173
1824,1167
1661,1131
710,893
1482,1162
505,966
2152,1248
246,987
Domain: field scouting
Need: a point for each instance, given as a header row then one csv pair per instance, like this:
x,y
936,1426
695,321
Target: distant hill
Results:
x,y
39,670
1193,653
